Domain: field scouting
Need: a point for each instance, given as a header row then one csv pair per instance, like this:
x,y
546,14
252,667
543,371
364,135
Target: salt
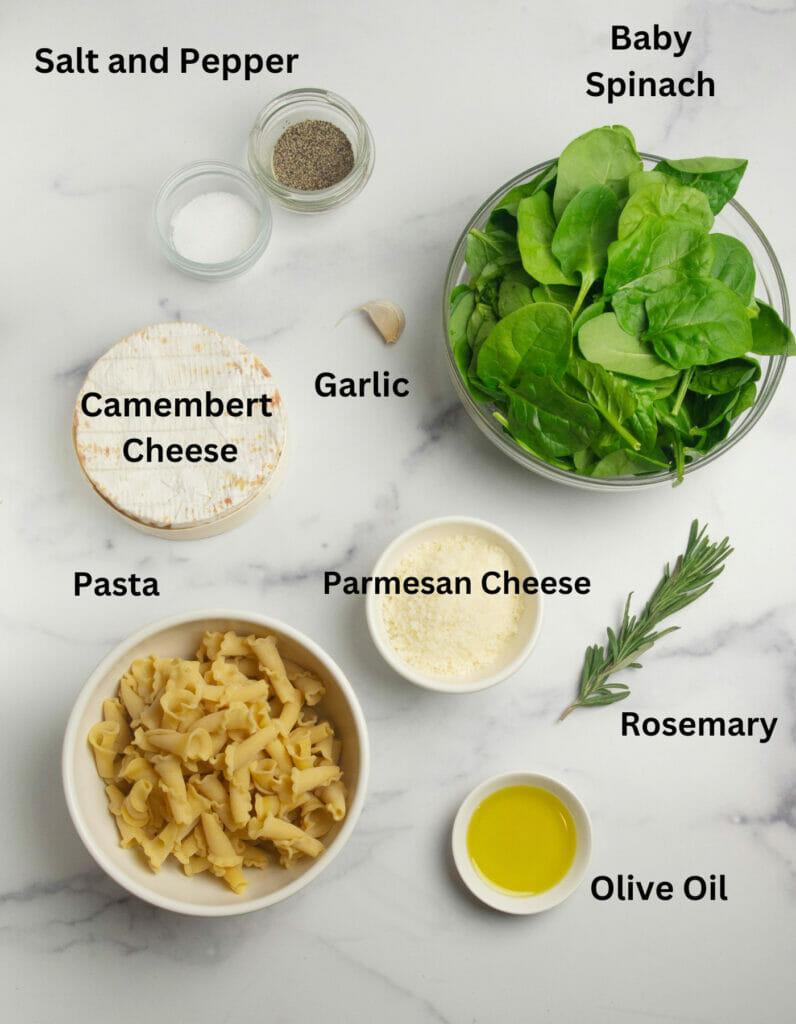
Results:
x,y
214,227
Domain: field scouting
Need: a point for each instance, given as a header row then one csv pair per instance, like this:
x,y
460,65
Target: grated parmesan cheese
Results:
x,y
452,634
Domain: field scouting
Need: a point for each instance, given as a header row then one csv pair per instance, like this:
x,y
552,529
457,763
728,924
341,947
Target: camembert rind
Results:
x,y
180,499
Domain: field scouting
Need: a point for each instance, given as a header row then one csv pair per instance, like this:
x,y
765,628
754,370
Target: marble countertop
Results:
x,y
460,96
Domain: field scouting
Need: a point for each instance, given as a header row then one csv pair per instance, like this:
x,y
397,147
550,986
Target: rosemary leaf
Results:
x,y
693,575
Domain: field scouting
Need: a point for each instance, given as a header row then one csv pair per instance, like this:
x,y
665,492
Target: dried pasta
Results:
x,y
217,762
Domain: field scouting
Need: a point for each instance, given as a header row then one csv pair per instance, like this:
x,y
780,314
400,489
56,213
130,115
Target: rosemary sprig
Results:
x,y
693,575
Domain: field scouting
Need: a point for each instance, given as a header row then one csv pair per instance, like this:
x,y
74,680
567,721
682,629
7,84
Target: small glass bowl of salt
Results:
x,y
212,220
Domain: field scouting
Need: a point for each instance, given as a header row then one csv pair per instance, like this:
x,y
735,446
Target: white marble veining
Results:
x,y
459,96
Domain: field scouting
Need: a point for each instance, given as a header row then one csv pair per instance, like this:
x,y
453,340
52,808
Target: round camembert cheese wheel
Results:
x,y
179,361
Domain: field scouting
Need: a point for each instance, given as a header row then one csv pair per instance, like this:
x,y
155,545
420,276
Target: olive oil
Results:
x,y
521,840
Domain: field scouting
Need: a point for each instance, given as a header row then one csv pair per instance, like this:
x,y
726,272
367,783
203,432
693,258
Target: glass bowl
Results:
x,y
194,180
310,105
770,286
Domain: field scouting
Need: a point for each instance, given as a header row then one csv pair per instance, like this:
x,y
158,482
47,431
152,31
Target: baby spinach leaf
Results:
x,y
502,220
626,132
746,399
535,229
462,304
562,461
603,341
482,320
583,460
680,421
476,253
660,252
628,306
697,322
504,214
467,321
584,232
652,389
480,315
543,181
561,293
573,388
713,416
495,269
488,254
625,463
488,324
715,409
717,177
462,354
588,313
643,425
770,336
516,290
548,420
609,395
479,393
606,441
479,327
733,264
657,253
603,156
720,378
715,435
638,179
659,199
487,293
536,338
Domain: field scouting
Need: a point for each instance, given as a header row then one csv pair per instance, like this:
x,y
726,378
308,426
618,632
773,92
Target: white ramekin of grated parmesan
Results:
x,y
452,605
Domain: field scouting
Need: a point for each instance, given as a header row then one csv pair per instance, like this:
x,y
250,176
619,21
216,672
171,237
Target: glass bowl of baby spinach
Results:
x,y
615,320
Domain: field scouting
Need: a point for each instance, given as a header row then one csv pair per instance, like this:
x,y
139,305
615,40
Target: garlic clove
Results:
x,y
388,318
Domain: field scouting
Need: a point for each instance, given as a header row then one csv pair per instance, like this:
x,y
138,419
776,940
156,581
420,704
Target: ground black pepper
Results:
x,y
311,155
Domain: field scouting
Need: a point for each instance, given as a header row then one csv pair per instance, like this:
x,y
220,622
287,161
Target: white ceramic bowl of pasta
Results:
x,y
204,895
515,651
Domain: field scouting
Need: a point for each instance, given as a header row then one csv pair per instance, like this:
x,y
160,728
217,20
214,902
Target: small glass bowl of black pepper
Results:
x,y
311,150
